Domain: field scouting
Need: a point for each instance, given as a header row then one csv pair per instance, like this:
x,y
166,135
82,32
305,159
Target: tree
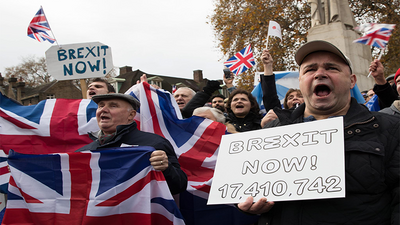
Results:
x,y
237,23
32,71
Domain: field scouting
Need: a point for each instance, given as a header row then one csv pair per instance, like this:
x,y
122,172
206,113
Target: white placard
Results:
x,y
79,61
294,162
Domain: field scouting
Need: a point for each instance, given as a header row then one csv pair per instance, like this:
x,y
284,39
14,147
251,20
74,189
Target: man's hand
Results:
x,y
376,69
143,79
267,61
159,160
270,116
261,206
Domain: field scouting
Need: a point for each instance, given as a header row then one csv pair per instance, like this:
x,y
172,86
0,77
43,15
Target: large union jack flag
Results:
x,y
39,27
51,126
376,35
241,61
114,186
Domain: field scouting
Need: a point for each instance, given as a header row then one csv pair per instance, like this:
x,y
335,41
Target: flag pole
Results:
x,y
50,27
267,41
379,58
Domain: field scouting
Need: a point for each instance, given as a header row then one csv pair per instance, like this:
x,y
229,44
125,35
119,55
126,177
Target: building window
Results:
x,y
51,96
158,83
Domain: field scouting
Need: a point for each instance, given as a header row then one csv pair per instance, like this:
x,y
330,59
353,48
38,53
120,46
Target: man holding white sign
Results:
x,y
371,140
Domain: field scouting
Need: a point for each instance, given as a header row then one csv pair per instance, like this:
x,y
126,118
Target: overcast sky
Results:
x,y
166,37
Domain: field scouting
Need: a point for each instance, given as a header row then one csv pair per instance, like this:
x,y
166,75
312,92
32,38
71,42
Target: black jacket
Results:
x,y
250,122
372,161
130,135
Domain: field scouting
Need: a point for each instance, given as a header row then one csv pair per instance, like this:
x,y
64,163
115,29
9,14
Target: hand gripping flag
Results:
x,y
39,27
241,61
375,34
113,186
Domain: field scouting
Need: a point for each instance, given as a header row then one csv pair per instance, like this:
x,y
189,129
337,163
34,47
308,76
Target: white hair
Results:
x,y
218,114
186,88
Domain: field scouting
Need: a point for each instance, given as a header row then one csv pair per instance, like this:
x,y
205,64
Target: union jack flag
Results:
x,y
51,126
241,61
89,188
39,27
376,35
196,142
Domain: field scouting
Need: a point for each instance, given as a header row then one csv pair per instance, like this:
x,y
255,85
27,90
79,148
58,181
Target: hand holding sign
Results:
x,y
300,161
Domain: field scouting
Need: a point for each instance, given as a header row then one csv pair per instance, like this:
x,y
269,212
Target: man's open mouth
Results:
x,y
322,90
92,93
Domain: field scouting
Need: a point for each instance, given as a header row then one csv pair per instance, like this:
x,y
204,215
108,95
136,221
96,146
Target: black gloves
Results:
x,y
212,85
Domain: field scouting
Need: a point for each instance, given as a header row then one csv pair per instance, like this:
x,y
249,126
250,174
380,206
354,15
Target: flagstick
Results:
x,y
50,27
379,58
83,88
267,41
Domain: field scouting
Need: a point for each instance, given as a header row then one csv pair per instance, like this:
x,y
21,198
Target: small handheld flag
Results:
x,y
241,61
375,34
39,27
274,29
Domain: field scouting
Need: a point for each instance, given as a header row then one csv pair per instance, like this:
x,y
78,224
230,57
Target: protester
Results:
x,y
217,101
243,111
99,86
114,116
394,109
183,95
372,147
199,99
270,97
369,95
386,93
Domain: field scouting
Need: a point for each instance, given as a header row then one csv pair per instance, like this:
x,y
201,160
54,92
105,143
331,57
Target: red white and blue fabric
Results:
x,y
39,27
51,126
196,142
113,186
377,35
241,61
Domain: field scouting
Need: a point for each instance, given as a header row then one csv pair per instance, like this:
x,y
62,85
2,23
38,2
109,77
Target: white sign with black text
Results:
x,y
293,162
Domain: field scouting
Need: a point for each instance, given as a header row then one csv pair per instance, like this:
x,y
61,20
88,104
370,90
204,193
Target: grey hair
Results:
x,y
219,115
191,90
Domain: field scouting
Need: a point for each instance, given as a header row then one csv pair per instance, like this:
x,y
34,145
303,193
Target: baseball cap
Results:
x,y
317,46
129,98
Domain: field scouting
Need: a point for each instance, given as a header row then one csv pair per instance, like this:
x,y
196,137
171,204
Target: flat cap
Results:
x,y
128,98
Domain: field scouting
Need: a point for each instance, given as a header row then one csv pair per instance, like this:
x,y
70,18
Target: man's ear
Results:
x,y
132,115
353,79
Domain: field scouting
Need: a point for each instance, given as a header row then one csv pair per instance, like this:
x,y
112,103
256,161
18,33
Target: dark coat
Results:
x,y
250,122
130,135
372,161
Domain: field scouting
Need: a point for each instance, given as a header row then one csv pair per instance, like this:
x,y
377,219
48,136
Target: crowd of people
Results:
x,y
372,149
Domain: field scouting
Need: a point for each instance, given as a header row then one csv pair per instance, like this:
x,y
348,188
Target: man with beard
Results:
x,y
217,101
372,148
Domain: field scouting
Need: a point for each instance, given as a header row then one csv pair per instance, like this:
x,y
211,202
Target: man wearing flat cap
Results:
x,y
114,116
372,147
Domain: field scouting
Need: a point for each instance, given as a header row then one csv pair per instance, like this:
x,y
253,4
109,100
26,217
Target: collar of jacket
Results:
x,y
121,130
357,114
